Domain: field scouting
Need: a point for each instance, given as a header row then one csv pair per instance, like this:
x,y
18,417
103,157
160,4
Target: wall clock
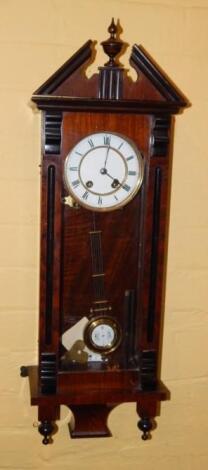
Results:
x,y
105,175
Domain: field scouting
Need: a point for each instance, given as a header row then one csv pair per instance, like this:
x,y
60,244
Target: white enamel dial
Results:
x,y
103,171
103,335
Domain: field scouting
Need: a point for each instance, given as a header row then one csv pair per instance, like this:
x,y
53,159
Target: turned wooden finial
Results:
x,y
45,429
145,425
112,46
112,29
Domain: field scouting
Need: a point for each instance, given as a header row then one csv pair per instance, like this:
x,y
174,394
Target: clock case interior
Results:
x,y
119,235
132,242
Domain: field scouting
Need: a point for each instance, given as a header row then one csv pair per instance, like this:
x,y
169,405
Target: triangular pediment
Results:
x,y
69,86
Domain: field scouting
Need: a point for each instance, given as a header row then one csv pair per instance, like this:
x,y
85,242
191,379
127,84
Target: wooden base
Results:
x,y
91,411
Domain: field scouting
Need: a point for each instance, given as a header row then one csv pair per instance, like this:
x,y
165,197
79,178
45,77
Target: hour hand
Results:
x,y
115,182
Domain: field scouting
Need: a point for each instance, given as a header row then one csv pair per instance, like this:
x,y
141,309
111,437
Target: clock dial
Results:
x,y
103,171
102,334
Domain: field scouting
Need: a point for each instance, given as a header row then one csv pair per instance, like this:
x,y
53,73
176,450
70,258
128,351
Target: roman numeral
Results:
x,y
75,183
115,197
80,154
100,201
85,195
90,142
73,168
131,173
129,158
126,187
120,145
107,140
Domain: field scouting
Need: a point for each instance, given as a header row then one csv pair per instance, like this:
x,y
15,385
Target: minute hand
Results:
x,y
106,158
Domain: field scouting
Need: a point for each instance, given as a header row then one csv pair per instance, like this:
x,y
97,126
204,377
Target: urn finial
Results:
x,y
112,46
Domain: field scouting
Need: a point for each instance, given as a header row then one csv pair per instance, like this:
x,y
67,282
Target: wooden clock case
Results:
x,y
133,241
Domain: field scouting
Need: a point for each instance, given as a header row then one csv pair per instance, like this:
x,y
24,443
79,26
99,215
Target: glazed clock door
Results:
x,y
103,172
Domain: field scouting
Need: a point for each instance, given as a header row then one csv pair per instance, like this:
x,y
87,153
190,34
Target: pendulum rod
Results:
x,y
100,302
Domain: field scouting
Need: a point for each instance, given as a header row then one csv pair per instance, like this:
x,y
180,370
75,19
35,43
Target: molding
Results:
x,y
142,61
154,255
69,103
51,180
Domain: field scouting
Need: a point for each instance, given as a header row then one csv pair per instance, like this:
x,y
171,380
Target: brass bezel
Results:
x,y
122,203
92,324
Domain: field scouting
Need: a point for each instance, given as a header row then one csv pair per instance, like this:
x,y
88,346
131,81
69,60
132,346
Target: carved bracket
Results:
x,y
53,121
160,136
148,368
48,373
90,421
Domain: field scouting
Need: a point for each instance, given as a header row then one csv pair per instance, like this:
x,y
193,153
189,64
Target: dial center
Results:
x,y
97,178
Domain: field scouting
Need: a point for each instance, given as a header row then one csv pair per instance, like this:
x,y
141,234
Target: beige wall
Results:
x,y
36,38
